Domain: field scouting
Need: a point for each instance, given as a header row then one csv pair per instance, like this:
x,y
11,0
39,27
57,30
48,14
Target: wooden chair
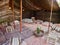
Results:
x,y
9,29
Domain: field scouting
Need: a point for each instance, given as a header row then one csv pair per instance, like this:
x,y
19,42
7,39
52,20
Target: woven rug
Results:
x,y
26,33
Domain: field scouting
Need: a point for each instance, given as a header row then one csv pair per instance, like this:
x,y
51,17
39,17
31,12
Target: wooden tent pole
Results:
x,y
50,16
50,20
20,15
13,12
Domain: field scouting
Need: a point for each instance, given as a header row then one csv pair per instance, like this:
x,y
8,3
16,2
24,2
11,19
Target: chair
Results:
x,y
9,29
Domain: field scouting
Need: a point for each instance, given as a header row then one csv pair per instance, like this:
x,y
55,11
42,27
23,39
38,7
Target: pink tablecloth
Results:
x,y
36,41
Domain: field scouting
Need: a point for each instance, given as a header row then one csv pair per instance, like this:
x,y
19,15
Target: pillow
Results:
x,y
26,20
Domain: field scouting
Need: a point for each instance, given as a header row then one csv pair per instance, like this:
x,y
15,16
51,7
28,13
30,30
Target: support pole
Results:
x,y
13,13
20,15
49,30
50,16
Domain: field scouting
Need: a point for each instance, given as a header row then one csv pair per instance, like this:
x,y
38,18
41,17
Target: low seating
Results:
x,y
26,20
47,23
2,38
51,41
57,41
56,27
54,38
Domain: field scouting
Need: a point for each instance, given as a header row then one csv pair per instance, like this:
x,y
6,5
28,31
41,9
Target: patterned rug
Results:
x,y
26,33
